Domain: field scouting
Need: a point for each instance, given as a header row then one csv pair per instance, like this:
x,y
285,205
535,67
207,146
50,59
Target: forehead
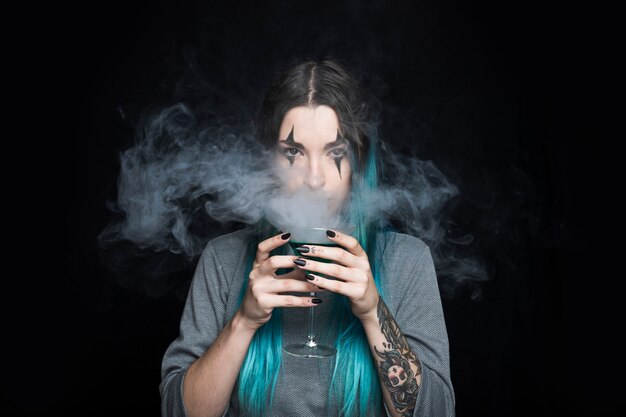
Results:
x,y
310,125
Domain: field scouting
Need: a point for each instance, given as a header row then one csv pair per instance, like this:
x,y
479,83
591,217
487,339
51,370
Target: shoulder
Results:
x,y
223,259
232,240
228,247
407,263
403,245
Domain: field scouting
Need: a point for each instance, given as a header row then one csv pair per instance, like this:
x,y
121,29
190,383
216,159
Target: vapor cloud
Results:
x,y
181,170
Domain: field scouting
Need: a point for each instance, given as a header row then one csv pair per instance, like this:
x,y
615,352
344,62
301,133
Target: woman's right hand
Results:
x,y
264,286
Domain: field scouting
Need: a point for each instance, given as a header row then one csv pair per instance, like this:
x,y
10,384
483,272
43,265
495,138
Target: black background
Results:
x,y
496,95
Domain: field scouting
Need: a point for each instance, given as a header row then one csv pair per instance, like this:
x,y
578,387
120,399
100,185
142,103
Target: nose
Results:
x,y
314,177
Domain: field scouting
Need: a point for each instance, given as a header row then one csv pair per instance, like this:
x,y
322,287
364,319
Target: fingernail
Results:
x,y
285,236
300,262
316,301
309,277
303,249
330,233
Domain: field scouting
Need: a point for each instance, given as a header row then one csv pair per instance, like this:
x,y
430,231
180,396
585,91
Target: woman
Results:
x,y
382,311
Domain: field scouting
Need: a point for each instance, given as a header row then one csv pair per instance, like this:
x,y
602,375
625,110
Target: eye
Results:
x,y
338,152
291,152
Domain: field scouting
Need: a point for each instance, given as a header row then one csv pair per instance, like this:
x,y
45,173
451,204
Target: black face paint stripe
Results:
x,y
289,141
338,159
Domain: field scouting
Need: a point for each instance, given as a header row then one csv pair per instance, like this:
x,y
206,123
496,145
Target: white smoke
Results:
x,y
181,171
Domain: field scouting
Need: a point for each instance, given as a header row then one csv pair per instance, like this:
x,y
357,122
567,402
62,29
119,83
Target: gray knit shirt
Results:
x,y
410,292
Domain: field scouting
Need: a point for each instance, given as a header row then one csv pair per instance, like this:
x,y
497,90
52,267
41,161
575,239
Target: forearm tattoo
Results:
x,y
395,364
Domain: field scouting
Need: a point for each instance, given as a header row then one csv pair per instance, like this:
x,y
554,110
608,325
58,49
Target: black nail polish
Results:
x,y
309,277
303,249
285,236
316,301
300,262
330,233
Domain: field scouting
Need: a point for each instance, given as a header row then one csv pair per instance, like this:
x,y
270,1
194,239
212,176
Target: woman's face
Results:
x,y
313,155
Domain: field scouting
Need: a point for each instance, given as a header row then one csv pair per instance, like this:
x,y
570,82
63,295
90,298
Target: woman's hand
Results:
x,y
352,271
264,286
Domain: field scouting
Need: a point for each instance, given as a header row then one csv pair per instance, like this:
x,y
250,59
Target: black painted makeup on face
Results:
x,y
289,141
339,141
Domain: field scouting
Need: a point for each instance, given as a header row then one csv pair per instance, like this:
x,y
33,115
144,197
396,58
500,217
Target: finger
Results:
x,y
330,269
271,264
293,274
274,301
348,289
339,255
346,241
265,247
276,286
299,275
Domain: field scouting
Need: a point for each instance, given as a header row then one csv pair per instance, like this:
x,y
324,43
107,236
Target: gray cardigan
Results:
x,y
410,292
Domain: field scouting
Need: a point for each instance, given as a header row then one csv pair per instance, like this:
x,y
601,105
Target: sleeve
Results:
x,y
419,315
201,322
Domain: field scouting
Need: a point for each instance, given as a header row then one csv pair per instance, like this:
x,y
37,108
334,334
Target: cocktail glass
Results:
x,y
311,348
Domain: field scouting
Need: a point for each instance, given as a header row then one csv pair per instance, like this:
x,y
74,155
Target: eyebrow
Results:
x,y
337,142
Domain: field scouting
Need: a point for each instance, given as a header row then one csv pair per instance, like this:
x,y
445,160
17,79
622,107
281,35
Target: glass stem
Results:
x,y
311,342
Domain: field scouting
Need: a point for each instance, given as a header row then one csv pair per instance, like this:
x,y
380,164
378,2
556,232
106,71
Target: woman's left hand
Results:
x,y
352,271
